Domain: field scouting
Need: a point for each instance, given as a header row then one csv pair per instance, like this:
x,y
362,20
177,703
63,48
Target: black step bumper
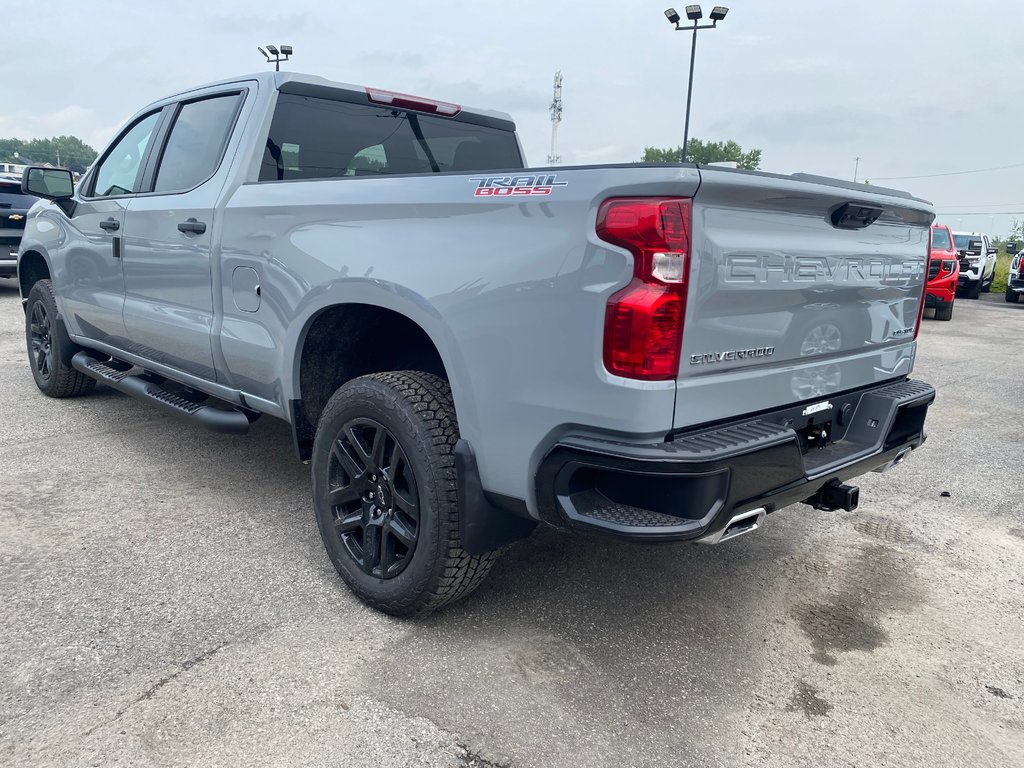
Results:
x,y
691,485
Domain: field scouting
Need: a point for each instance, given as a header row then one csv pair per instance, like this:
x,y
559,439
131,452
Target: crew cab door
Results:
x,y
89,274
169,235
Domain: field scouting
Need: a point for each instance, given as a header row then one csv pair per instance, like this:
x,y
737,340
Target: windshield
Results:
x,y
940,240
966,242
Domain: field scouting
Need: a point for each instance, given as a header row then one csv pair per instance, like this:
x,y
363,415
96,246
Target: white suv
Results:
x,y
1015,280
977,263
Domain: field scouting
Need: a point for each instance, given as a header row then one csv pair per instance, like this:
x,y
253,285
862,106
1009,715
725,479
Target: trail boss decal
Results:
x,y
516,186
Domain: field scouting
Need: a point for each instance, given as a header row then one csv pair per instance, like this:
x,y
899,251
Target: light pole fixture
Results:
x,y
694,13
283,54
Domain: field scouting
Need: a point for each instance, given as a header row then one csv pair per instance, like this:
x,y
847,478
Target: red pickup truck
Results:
x,y
943,271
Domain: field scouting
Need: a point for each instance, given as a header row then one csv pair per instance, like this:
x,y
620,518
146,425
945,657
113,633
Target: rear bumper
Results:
x,y
691,486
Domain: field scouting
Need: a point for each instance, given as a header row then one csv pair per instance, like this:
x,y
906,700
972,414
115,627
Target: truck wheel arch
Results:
x,y
32,267
341,341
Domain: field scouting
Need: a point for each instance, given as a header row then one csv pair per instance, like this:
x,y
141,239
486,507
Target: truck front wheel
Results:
x,y
1012,296
385,493
944,311
49,348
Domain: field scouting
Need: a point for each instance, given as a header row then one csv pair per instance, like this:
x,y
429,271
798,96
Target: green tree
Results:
x,y
1017,231
68,151
706,152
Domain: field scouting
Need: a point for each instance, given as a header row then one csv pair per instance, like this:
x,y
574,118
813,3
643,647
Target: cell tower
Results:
x,y
556,117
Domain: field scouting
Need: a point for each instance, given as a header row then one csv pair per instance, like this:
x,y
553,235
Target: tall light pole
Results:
x,y
279,55
694,14
856,167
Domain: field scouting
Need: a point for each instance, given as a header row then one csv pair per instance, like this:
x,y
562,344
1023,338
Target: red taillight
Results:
x,y
405,101
643,329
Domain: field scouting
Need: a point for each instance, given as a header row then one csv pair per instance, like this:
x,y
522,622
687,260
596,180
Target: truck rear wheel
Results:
x,y
944,311
49,349
385,493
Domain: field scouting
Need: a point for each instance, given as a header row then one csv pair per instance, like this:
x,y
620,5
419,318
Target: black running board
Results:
x,y
216,419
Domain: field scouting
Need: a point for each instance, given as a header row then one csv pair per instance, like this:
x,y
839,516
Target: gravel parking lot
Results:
x,y
166,600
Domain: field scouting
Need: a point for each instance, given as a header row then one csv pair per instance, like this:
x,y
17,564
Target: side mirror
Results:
x,y
48,183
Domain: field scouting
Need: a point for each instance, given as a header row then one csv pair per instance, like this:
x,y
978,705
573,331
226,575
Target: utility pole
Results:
x,y
856,168
556,117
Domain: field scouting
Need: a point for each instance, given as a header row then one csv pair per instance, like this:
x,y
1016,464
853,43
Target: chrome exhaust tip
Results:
x,y
744,522
898,459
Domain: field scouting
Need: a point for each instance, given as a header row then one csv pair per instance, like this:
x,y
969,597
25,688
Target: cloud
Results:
x,y
606,154
820,126
30,124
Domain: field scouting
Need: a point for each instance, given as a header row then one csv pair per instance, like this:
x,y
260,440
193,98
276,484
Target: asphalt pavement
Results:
x,y
166,600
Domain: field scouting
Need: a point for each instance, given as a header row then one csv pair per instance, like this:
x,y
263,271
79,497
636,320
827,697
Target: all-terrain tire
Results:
x,y
49,348
416,412
944,312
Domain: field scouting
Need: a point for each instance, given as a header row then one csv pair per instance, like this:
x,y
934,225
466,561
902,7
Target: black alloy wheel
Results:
x,y
49,348
372,494
386,493
40,340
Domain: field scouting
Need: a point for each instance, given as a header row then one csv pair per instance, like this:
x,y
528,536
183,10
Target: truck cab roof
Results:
x,y
298,82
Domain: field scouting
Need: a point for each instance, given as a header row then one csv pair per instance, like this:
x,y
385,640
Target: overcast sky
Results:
x,y
913,87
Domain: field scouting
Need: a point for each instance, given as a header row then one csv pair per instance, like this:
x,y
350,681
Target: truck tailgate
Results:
x,y
784,305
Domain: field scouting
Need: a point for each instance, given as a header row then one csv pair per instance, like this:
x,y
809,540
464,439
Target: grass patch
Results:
x,y
1002,273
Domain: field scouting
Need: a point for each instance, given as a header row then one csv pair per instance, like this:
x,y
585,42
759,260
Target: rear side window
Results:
x,y
196,143
316,138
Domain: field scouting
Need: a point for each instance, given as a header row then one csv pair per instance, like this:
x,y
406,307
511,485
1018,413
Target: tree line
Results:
x,y
699,151
66,151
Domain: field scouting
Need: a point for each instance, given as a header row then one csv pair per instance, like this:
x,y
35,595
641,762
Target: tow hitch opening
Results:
x,y
835,495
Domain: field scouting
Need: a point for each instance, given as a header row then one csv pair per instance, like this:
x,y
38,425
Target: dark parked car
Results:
x,y
14,207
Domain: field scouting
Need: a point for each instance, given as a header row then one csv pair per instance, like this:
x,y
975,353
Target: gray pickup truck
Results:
x,y
464,346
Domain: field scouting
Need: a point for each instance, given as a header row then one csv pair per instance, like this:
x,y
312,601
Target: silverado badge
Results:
x,y
732,354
